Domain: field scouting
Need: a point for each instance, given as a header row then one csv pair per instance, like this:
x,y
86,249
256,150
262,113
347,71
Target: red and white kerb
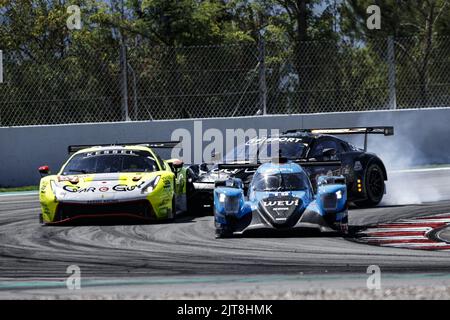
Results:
x,y
414,233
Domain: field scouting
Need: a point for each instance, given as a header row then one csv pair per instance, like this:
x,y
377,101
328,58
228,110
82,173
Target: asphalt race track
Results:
x,y
183,259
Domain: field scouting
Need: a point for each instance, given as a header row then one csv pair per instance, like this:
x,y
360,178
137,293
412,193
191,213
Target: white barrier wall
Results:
x,y
421,137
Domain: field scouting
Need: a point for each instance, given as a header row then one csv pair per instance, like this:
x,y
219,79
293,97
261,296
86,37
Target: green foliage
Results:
x,y
316,52
20,189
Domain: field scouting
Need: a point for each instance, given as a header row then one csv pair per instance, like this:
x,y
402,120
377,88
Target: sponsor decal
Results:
x,y
118,188
111,151
234,171
103,200
166,183
124,187
276,139
43,187
77,189
280,203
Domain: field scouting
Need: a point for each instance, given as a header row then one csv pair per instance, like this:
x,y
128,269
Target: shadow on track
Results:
x,y
382,206
114,221
280,234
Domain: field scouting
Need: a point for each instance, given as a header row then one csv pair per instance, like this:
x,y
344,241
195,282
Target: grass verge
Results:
x,y
18,189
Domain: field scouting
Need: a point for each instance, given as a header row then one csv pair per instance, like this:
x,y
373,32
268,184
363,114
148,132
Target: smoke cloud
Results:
x,y
413,174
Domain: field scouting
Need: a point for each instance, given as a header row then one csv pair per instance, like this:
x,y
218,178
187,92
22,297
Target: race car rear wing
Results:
x,y
303,163
238,165
154,145
384,130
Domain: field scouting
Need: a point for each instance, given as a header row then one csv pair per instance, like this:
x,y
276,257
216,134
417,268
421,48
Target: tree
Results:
x,y
422,20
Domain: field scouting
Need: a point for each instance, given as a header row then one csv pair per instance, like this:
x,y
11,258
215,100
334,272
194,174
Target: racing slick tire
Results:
x,y
223,233
374,186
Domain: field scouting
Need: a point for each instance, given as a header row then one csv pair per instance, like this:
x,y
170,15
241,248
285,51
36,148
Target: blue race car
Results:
x,y
280,197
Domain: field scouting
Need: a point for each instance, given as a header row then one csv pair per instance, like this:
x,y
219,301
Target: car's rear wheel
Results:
x,y
374,186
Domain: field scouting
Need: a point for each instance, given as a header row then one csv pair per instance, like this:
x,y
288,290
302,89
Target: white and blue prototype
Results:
x,y
280,197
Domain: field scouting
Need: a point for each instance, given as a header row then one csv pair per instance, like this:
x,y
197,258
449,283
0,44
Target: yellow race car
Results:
x,y
114,180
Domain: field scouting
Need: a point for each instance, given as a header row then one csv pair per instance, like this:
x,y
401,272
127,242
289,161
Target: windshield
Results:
x,y
263,149
287,150
107,161
280,182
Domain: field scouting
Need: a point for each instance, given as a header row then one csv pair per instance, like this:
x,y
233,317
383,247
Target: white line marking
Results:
x,y
422,221
20,201
405,229
420,170
17,194
416,222
417,245
395,238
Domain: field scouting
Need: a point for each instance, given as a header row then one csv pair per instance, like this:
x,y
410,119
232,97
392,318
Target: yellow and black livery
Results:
x,y
129,180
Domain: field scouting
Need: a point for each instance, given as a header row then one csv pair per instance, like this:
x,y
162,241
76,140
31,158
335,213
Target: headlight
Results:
x,y
339,194
71,179
149,187
222,197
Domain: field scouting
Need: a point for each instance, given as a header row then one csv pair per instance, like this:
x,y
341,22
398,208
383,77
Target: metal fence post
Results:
x,y
135,103
1,66
1,79
392,76
123,58
262,73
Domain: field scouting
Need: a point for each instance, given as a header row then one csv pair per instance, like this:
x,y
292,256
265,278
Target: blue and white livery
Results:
x,y
280,196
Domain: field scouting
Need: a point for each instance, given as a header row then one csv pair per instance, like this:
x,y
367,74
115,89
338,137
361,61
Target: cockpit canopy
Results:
x,y
278,181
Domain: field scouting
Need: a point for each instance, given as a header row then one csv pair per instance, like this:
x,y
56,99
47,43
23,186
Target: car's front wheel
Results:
x,y
223,233
374,186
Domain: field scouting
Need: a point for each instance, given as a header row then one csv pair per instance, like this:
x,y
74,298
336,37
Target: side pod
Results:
x,y
229,200
332,193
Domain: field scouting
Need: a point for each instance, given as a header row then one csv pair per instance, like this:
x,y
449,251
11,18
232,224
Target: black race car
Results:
x,y
318,151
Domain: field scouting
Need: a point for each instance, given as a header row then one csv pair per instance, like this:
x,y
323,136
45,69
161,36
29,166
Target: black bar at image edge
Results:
x,y
218,309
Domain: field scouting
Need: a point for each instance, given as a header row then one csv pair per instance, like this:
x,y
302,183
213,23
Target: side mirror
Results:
x,y
44,170
328,180
329,152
